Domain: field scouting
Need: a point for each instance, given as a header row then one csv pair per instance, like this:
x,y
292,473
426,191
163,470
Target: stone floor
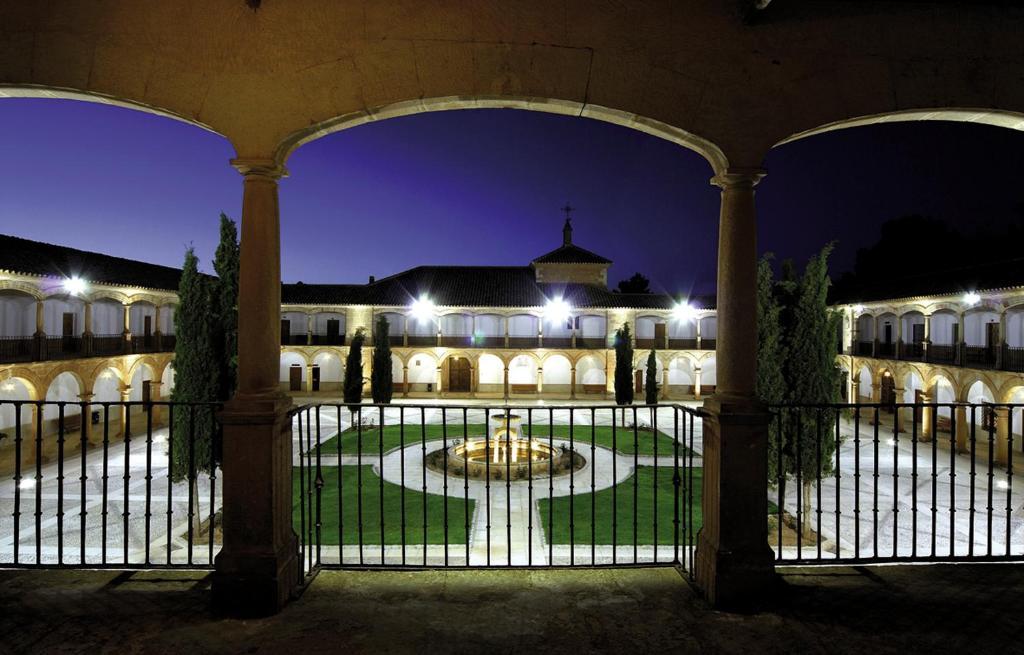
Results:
x,y
935,609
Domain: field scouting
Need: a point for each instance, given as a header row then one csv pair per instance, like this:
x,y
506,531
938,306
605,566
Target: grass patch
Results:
x,y
392,437
622,510
349,498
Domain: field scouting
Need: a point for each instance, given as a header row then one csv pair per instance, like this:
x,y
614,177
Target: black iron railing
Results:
x,y
392,486
89,485
941,353
865,348
108,344
17,349
1013,359
904,482
708,344
682,343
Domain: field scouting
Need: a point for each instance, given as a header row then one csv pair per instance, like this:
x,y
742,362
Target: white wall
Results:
x,y
166,318
974,326
708,372
167,381
320,323
53,315
557,370
1015,329
17,315
941,330
522,370
522,325
107,388
865,328
680,372
590,370
682,328
297,323
331,367
708,329
396,323
141,375
593,327
137,316
14,389
422,327
63,388
422,369
909,320
492,370
645,326
456,325
107,317
490,325
287,359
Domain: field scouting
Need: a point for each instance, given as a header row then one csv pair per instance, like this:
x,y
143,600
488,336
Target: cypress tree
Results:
x,y
225,263
352,389
769,382
623,366
381,384
195,377
651,379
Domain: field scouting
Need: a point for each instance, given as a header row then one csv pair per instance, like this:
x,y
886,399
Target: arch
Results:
x,y
147,361
167,380
396,322
22,287
141,373
106,386
490,373
331,370
708,374
590,372
456,324
592,326
522,325
11,389
709,328
704,147
943,322
866,327
107,317
995,117
522,369
912,382
976,321
422,366
644,325
681,374
489,326
865,382
290,358
65,387
557,370
943,392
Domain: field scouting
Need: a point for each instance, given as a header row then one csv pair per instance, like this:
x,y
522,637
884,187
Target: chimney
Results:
x,y
372,280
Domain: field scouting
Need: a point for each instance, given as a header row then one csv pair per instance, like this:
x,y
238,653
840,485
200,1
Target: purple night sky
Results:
x,y
482,187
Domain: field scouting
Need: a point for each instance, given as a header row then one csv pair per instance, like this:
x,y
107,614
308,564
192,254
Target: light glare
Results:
x,y
422,309
684,311
74,285
557,311
972,298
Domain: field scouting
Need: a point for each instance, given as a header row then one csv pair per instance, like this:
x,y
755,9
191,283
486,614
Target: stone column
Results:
x,y
405,380
438,378
127,329
155,397
572,383
925,433
963,429
309,378
899,337
87,331
961,339
540,380
309,329
696,324
256,570
505,321
122,410
733,562
1002,445
158,333
855,393
696,383
540,333
87,433
506,382
40,333
663,392
897,416
1000,346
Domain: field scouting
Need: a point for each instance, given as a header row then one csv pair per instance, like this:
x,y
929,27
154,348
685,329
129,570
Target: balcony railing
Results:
x,y
294,339
63,347
941,353
328,339
885,349
558,342
418,340
865,348
480,341
523,342
685,343
912,351
1013,359
17,349
979,356
708,344
456,341
592,343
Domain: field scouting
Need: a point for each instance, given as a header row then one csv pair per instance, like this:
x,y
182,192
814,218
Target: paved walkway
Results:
x,y
914,609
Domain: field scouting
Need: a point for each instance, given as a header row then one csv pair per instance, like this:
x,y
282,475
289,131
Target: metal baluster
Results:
x,y
799,483
572,488
218,437
423,464
551,487
935,479
149,478
39,481
952,487
170,481
656,434
689,486
817,473
874,484
973,474
380,449
341,486
675,487
127,480
444,445
838,478
636,481
319,488
896,480
487,488
303,498
359,479
401,491
17,481
856,485
529,491
913,479
508,497
190,477
780,474
465,470
1009,479
991,479
83,431
593,485
615,497
60,485
105,482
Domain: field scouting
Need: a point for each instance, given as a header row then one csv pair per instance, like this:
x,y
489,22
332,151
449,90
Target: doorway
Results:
x,y
459,375
295,378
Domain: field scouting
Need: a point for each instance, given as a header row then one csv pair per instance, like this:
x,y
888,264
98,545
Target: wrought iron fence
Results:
x,y
896,483
106,485
502,486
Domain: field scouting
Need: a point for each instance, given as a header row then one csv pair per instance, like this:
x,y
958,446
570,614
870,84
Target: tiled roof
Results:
x,y
571,254
471,286
37,258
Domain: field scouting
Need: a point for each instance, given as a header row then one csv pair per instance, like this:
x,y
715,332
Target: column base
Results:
x,y
734,565
257,570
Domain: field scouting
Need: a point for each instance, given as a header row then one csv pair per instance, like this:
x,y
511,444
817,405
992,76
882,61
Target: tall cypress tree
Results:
x,y
381,384
770,384
195,380
225,263
623,366
651,379
352,389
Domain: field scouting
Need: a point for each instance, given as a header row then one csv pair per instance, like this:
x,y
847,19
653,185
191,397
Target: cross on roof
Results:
x,y
568,209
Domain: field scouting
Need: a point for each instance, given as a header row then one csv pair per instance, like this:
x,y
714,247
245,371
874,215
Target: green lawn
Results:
x,y
603,436
601,504
414,503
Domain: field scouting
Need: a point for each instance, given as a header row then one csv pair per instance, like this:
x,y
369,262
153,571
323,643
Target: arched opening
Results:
x,y
293,372
887,391
912,331
294,328
11,390
682,333
456,330
944,395
1013,353
329,329
865,335
421,330
491,374
142,324
328,374
523,330
983,417
460,374
522,375
592,331
591,376
17,325
489,331
65,388
167,380
887,330
981,337
708,377
681,377
709,333
943,336
651,332
422,373
913,389
557,375
396,327
63,324
864,385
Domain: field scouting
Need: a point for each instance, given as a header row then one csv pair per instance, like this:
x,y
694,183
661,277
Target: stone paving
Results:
x,y
892,609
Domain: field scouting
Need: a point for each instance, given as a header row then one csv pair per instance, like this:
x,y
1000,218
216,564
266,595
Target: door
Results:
x,y
295,378
918,333
991,341
888,392
315,379
147,331
887,331
333,331
459,378
638,381
68,328
147,391
286,331
659,335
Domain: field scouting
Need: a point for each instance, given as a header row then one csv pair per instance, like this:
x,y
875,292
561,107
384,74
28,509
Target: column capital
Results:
x,y
738,178
263,168
86,397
